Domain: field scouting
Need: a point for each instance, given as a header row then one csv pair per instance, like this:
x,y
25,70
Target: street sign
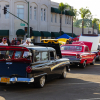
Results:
x,y
22,24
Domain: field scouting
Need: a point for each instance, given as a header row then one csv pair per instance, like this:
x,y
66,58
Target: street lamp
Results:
x,y
28,32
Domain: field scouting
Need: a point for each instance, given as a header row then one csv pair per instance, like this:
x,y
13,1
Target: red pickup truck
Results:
x,y
79,53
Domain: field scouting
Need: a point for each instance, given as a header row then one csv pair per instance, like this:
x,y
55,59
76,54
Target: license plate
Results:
x,y
5,80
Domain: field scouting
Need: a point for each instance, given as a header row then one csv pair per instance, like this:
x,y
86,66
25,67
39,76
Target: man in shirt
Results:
x,y
4,41
28,42
70,41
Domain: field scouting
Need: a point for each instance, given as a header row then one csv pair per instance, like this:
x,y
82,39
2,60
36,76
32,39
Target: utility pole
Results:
x,y
28,31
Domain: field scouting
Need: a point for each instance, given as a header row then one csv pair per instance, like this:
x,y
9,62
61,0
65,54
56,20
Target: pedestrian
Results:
x,y
28,42
4,41
67,42
8,42
70,41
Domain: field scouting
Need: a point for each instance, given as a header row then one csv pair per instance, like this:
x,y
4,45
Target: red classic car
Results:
x,y
78,53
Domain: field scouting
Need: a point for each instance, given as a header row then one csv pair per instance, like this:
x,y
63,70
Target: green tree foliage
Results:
x,y
62,8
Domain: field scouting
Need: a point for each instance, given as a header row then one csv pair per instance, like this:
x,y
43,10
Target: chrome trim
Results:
x,y
15,79
40,75
75,61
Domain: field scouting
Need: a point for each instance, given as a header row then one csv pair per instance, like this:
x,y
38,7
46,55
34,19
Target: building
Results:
x,y
44,19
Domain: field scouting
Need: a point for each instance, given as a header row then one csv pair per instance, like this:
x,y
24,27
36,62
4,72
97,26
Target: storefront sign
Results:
x,y
22,24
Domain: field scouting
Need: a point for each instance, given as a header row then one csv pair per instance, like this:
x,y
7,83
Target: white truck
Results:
x,y
95,39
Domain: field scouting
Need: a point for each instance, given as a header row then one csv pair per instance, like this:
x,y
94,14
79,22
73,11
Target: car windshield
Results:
x,y
71,48
6,54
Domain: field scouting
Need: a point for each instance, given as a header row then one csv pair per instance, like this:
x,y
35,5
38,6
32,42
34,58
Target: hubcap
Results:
x,y
42,81
84,64
65,73
93,61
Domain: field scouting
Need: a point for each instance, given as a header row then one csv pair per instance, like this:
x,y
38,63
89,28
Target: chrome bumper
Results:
x,y
15,80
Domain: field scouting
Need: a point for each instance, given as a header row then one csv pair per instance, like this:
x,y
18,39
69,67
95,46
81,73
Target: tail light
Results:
x,y
28,69
78,56
97,54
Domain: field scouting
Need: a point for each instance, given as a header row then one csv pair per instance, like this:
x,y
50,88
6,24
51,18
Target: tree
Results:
x,y
85,14
62,8
95,21
75,15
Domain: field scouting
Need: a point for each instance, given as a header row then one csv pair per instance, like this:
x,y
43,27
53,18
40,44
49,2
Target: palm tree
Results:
x,y
74,17
95,21
62,8
85,13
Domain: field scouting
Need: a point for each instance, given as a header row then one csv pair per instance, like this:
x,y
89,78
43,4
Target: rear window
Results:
x,y
71,48
6,54
18,54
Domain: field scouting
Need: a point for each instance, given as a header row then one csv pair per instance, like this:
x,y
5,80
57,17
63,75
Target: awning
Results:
x,y
70,13
55,34
20,32
4,32
35,33
70,34
56,10
45,34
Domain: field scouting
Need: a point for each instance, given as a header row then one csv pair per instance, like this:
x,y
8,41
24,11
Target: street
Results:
x,y
80,84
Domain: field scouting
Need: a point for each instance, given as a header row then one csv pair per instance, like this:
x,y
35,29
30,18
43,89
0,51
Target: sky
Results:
x,y
93,5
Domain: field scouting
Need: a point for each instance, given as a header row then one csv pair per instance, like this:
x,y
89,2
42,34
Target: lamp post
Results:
x,y
28,31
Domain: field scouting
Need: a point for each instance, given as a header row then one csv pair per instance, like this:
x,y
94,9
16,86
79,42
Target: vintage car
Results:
x,y
31,64
78,53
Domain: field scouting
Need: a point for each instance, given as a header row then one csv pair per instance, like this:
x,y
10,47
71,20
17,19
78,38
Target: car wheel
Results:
x,y
93,62
64,73
41,82
98,58
84,64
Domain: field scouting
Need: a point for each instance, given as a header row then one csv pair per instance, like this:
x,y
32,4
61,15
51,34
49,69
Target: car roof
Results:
x,y
38,48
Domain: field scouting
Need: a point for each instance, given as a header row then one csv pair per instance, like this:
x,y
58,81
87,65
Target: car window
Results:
x,y
18,54
52,57
44,56
37,56
6,54
71,48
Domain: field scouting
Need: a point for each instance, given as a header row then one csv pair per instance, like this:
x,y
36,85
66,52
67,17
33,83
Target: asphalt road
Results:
x,y
80,84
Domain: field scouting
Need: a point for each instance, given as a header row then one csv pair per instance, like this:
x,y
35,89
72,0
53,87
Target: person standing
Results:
x,y
70,41
28,42
4,41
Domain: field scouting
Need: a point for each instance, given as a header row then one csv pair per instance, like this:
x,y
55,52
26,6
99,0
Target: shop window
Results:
x,y
20,11
41,14
44,14
35,13
7,14
30,12
51,17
